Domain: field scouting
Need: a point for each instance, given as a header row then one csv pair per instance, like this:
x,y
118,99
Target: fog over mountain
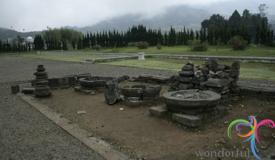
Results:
x,y
183,15
227,7
176,16
6,34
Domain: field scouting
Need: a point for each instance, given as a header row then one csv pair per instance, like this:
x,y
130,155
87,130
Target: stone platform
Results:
x,y
192,121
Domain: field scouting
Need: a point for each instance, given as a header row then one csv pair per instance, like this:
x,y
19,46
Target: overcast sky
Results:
x,y
38,14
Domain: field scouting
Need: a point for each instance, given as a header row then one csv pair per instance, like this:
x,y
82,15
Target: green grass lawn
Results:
x,y
248,70
213,50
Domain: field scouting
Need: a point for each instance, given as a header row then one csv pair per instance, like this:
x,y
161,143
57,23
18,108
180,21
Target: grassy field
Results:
x,y
213,50
248,70
82,55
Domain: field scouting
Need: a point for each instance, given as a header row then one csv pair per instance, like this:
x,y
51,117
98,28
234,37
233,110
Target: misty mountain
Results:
x,y
176,16
10,34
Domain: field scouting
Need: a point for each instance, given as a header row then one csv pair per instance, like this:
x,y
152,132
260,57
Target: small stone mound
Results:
x,y
42,88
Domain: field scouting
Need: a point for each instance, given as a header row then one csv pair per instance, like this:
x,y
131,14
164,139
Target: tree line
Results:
x,y
216,30
138,33
254,28
16,45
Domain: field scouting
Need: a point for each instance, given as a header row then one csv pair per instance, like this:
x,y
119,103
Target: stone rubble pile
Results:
x,y
221,78
210,76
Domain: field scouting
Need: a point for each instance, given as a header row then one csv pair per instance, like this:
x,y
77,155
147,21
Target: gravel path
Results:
x,y
24,132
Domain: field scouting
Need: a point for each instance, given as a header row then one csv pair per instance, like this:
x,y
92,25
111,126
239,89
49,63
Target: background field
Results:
x,y
213,50
248,70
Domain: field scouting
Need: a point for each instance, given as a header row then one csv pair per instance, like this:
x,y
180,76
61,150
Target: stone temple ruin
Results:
x,y
197,92
193,96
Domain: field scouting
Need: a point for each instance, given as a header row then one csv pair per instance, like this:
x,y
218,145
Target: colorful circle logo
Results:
x,y
253,135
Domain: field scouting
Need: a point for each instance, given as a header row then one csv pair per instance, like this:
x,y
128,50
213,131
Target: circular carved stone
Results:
x,y
179,101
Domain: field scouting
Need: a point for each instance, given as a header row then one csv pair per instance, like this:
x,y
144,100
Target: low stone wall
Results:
x,y
202,57
250,88
110,59
127,56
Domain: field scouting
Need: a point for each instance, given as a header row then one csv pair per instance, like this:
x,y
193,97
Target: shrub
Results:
x,y
238,43
142,45
97,47
197,45
159,46
132,44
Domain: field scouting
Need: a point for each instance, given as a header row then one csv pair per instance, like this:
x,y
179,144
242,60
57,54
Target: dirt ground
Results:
x,y
133,131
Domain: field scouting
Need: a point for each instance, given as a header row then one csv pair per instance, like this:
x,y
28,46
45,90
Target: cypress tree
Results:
x,y
38,42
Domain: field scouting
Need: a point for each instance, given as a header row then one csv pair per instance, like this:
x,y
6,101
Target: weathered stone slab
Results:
x,y
28,90
111,92
77,88
152,78
84,75
158,111
187,120
214,82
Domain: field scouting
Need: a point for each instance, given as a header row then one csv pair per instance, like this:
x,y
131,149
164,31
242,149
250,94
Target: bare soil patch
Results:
x,y
135,132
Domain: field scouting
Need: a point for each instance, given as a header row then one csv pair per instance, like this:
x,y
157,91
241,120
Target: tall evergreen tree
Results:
x,y
38,42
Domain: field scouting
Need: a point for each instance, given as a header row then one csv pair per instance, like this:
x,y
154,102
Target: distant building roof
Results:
x,y
29,39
